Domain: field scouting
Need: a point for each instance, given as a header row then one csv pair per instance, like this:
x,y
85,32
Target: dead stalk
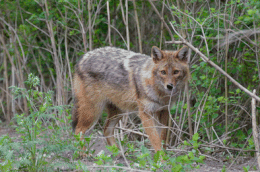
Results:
x,y
123,154
109,28
188,108
6,87
226,63
126,25
59,87
66,52
255,130
256,51
138,29
162,25
89,25
82,24
220,141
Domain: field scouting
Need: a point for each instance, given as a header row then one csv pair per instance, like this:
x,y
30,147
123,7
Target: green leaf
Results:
x,y
191,155
238,91
202,157
245,169
203,77
156,156
195,137
250,12
215,115
88,139
114,149
142,162
220,99
99,162
223,169
213,9
186,143
82,143
143,156
185,106
237,22
177,168
42,109
195,145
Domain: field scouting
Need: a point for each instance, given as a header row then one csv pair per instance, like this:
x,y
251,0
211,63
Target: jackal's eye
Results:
x,y
176,72
163,72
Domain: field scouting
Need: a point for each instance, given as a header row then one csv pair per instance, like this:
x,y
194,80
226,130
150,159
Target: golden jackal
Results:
x,y
118,81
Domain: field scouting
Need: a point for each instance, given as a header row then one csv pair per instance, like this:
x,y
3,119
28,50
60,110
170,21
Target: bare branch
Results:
x,y
255,131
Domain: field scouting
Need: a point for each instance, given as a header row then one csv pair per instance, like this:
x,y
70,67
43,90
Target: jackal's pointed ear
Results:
x,y
156,54
182,54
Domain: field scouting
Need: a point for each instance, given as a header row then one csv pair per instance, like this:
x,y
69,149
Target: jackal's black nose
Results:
x,y
169,86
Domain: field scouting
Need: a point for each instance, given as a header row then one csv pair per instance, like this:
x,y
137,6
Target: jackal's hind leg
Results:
x,y
87,117
112,120
87,108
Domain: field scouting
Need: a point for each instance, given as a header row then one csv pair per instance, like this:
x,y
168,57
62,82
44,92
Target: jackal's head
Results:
x,y
171,69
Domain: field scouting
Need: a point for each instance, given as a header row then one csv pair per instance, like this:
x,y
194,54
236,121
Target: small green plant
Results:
x,y
144,159
158,158
102,158
246,169
183,162
6,152
224,169
114,150
85,143
30,126
41,146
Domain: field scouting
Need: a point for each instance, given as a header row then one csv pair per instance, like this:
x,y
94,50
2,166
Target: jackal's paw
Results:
x,y
82,154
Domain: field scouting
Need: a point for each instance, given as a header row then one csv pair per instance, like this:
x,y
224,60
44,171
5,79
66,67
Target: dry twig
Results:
x,y
255,131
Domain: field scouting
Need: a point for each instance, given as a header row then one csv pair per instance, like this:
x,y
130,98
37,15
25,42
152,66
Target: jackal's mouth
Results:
x,y
171,91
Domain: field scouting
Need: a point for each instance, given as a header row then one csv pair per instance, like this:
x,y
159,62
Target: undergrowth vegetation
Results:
x,y
45,142
43,136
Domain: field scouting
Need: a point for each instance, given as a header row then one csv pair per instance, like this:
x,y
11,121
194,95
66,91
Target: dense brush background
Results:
x,y
47,38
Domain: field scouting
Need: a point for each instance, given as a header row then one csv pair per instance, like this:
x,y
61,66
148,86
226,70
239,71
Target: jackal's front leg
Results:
x,y
163,119
149,125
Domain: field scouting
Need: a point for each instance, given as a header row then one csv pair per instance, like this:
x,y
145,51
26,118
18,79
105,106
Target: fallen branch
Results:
x,y
117,167
132,131
225,147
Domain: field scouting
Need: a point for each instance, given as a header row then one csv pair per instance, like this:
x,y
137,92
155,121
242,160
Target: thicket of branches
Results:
x,y
48,37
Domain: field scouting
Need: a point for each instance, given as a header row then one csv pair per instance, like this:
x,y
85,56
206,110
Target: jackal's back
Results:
x,y
110,65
